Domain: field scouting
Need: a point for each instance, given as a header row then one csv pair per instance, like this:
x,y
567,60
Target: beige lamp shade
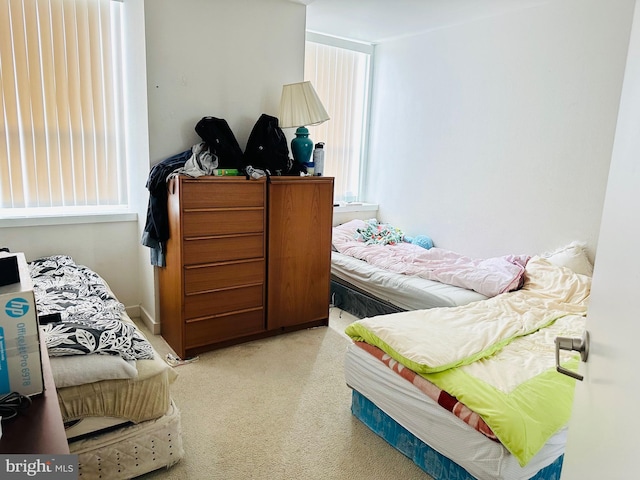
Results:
x,y
300,106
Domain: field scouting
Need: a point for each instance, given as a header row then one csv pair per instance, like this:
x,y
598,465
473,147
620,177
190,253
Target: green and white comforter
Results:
x,y
497,356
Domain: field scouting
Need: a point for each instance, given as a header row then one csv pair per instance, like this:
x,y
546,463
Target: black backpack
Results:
x,y
217,134
267,149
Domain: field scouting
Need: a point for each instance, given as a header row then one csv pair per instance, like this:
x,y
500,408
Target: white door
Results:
x,y
605,424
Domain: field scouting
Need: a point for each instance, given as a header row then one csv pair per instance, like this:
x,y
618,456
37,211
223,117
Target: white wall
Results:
x,y
226,58
104,247
138,153
494,137
223,58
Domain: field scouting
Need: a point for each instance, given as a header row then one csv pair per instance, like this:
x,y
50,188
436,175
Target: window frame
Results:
x,y
369,49
100,212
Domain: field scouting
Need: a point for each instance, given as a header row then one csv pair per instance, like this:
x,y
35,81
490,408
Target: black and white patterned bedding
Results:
x,y
90,314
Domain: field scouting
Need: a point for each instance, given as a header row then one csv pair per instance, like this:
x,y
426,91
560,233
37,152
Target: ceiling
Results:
x,y
377,21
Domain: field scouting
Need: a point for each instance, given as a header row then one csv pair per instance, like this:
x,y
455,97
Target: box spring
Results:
x,y
424,421
357,302
428,459
132,450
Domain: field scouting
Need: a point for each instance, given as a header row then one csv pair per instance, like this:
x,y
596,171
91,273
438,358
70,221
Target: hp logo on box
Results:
x,y
17,307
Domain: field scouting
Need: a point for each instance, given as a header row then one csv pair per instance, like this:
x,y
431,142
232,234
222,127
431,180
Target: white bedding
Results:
x,y
404,291
84,300
127,382
489,276
80,369
75,370
96,384
437,427
496,356
434,340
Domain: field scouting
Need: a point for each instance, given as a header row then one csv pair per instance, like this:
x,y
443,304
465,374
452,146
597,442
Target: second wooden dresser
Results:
x,y
212,289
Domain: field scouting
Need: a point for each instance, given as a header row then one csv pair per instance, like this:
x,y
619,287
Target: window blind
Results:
x,y
341,79
61,130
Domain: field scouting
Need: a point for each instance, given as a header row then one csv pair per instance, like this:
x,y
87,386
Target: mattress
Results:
x,y
132,450
137,399
113,387
438,428
125,380
404,291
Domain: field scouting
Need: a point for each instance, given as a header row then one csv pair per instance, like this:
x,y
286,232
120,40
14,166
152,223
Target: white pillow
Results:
x,y
71,370
573,256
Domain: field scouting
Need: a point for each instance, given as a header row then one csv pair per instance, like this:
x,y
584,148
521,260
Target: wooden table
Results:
x,y
39,428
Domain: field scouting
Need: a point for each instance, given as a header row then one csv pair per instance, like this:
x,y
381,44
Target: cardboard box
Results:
x,y
20,357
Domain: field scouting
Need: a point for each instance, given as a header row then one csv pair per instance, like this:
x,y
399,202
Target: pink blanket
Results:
x,y
489,276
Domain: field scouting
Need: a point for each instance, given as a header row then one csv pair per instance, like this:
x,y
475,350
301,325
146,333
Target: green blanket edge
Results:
x,y
513,417
523,419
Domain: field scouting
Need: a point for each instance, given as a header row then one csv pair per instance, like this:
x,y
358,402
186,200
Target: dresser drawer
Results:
x,y
223,301
222,222
223,249
213,277
226,327
222,193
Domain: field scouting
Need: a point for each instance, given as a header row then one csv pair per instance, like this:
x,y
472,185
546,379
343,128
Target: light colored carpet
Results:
x,y
277,409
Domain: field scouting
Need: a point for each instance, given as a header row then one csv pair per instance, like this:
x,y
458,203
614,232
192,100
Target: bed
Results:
x,y
113,387
472,391
364,290
375,271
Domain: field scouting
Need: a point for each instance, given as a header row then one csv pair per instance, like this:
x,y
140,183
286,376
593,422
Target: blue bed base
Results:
x,y
432,462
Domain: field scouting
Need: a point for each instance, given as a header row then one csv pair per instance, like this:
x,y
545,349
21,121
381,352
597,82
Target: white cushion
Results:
x,y
573,256
71,370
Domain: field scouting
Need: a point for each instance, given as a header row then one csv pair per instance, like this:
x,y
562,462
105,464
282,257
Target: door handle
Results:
x,y
572,344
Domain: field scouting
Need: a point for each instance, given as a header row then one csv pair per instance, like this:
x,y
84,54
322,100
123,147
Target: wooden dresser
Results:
x,y
245,259
212,289
299,251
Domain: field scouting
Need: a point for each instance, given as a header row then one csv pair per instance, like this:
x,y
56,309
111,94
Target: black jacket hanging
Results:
x,y
156,229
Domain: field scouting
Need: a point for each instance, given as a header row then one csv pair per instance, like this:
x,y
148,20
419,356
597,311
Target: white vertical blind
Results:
x,y
61,97
341,79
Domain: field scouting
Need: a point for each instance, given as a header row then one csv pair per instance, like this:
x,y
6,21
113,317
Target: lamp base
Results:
x,y
302,146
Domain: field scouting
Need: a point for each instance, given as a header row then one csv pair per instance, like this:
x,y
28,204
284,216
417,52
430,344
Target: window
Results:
x,y
339,71
61,128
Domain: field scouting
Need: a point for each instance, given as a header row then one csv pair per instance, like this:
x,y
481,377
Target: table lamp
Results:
x,y
300,106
